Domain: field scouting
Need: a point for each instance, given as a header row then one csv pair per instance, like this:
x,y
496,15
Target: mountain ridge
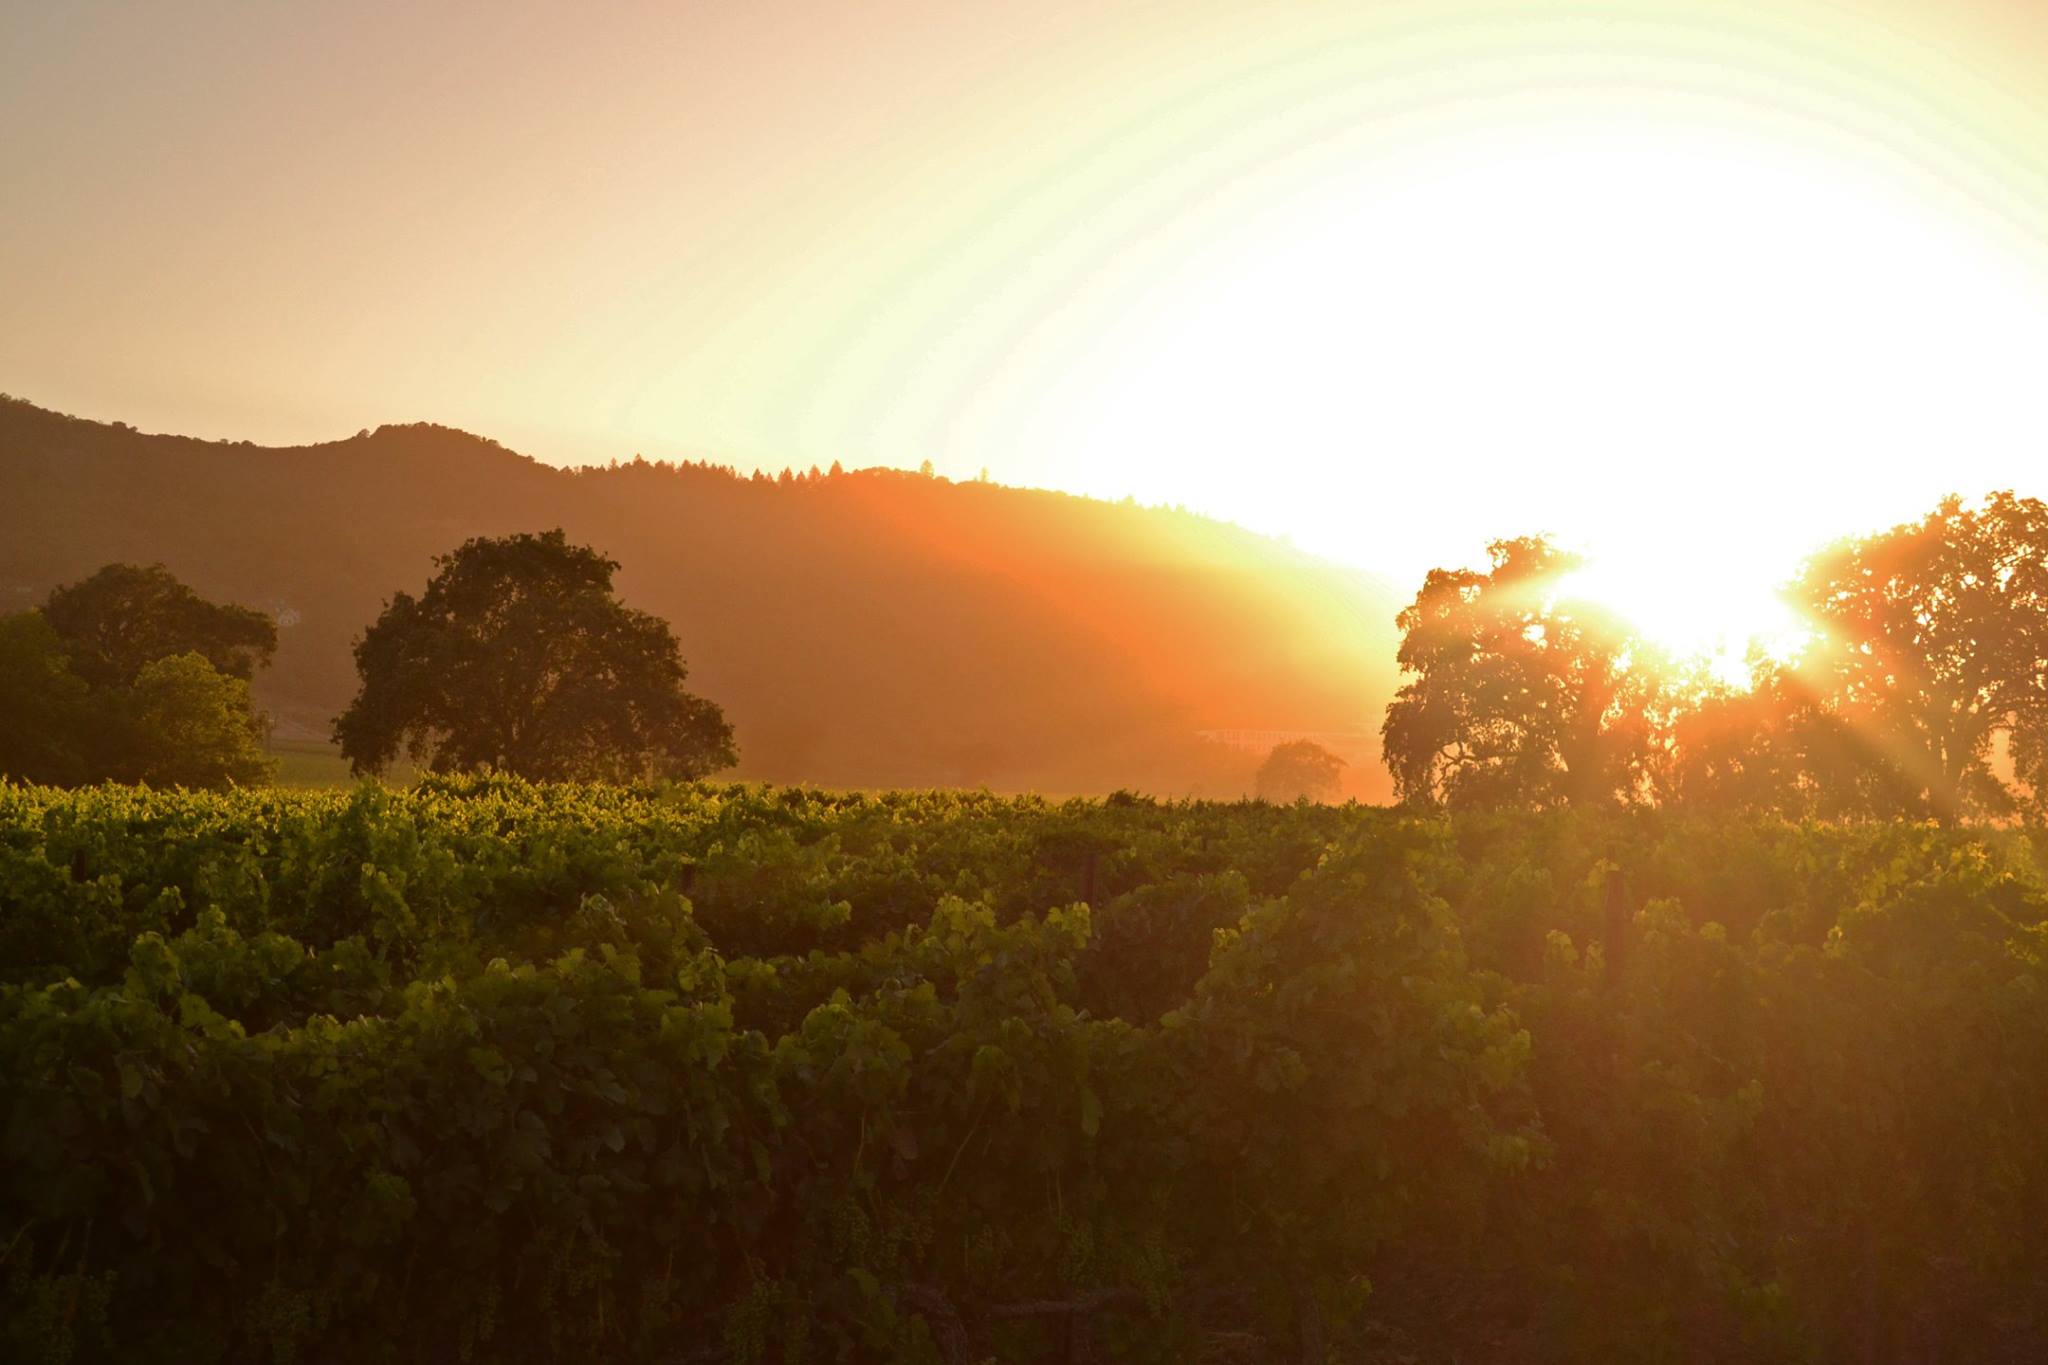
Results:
x,y
862,628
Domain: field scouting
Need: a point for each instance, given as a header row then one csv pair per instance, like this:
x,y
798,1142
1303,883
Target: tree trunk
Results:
x,y
1614,941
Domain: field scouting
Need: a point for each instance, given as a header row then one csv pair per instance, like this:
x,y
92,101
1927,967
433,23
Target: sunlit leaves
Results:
x,y
1519,694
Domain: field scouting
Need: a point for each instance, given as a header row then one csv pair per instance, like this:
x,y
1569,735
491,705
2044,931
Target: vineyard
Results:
x,y
483,1070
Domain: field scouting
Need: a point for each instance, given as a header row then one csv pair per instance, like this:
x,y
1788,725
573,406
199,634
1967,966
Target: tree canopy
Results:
x,y
1921,689
42,705
1736,748
1520,693
130,676
518,656
190,725
1931,647
126,616
1299,770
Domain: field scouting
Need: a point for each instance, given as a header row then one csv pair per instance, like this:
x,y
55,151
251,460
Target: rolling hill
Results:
x,y
871,628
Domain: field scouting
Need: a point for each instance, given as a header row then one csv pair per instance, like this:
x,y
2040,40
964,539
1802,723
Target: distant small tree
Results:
x,y
1300,770
519,656
126,616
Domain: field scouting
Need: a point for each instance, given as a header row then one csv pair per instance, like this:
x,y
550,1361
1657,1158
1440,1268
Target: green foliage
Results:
x,y
191,726
490,1070
43,704
171,721
130,676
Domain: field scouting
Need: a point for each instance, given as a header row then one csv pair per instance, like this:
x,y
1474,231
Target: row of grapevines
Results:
x,y
487,1070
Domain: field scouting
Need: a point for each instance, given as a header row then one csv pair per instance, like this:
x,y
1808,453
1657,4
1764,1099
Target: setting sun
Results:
x,y
1715,618
1657,342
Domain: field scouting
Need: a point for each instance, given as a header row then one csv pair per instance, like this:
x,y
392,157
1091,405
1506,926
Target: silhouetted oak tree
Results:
x,y
1729,748
1521,696
1933,643
519,657
126,616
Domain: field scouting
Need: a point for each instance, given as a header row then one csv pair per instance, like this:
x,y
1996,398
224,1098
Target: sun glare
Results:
x,y
1694,353
1703,617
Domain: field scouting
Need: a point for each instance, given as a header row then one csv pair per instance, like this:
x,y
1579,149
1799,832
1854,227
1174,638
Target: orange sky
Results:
x,y
1389,278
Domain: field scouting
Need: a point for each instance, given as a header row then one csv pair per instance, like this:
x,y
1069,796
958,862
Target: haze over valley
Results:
x,y
870,628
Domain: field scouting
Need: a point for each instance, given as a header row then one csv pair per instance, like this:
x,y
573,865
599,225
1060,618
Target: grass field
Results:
x,y
313,765
308,763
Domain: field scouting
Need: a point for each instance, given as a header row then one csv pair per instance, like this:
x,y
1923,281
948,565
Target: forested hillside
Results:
x,y
870,628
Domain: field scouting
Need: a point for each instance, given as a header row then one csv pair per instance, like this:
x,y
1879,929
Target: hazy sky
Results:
x,y
1693,285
